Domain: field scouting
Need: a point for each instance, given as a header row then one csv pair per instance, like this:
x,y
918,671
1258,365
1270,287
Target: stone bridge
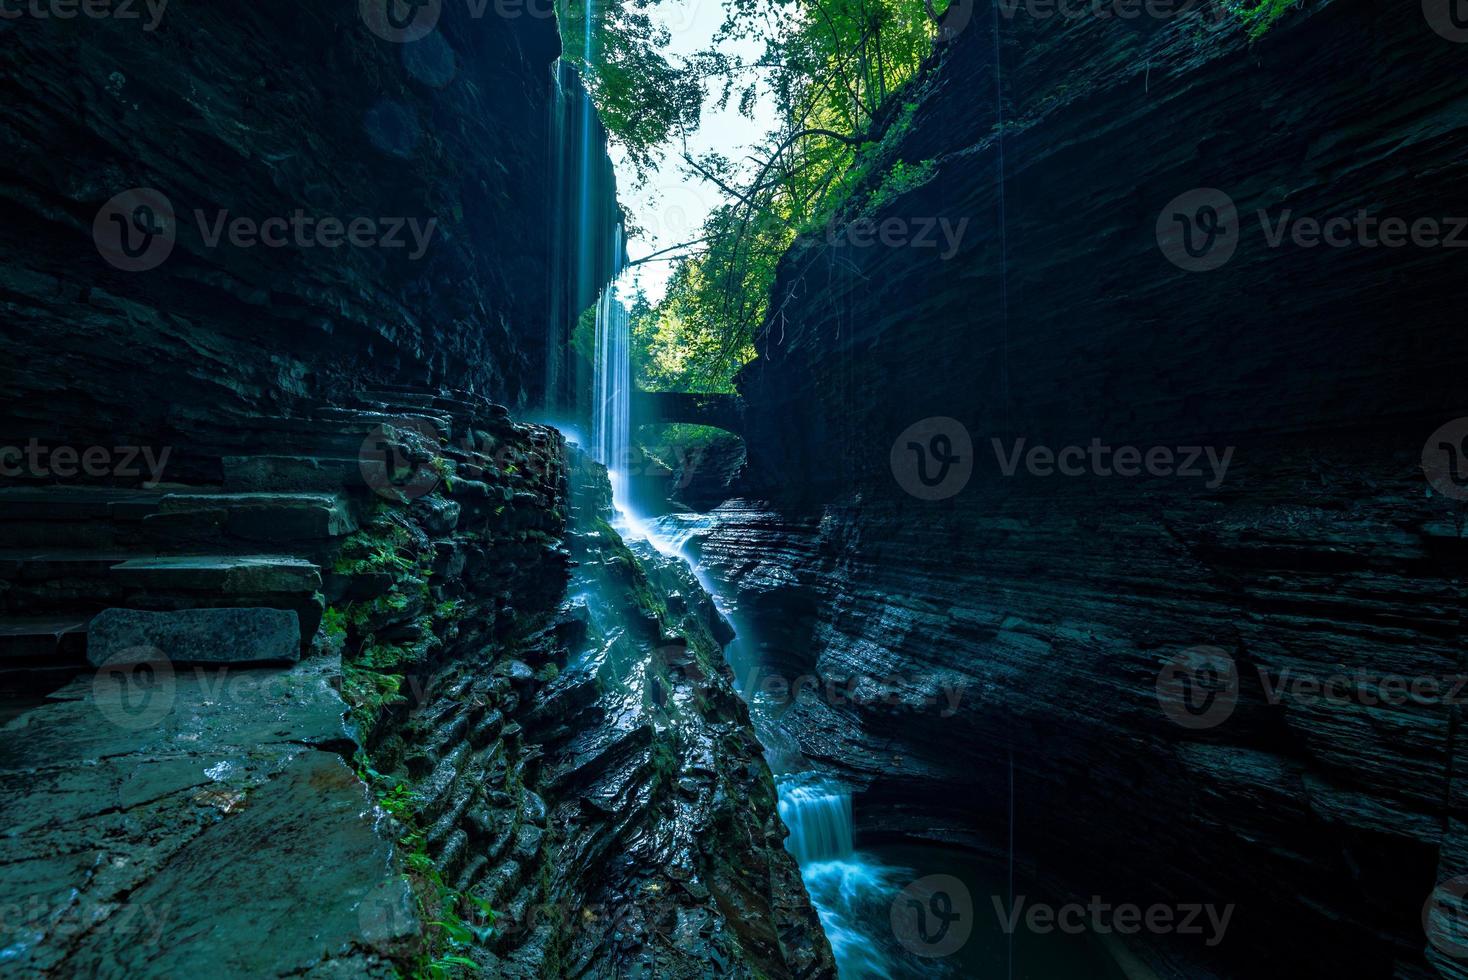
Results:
x,y
718,410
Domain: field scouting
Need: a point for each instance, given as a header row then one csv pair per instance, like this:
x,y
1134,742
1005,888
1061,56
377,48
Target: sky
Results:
x,y
671,207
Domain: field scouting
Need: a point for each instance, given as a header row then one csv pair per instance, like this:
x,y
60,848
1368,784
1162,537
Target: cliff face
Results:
x,y
1054,604
328,208
377,689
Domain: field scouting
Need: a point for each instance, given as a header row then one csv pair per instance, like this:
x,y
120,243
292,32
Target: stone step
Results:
x,y
265,517
18,565
74,517
179,582
40,654
341,437
416,399
246,575
257,474
75,503
228,635
37,582
28,642
381,413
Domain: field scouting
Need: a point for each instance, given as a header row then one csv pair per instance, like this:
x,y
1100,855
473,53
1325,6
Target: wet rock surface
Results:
x,y
160,822
194,636
512,740
594,781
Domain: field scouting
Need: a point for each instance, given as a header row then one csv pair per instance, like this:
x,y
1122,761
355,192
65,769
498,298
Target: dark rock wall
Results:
x,y
1053,601
264,111
564,741
1343,106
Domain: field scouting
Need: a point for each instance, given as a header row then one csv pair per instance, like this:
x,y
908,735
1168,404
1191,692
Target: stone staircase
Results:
x,y
263,537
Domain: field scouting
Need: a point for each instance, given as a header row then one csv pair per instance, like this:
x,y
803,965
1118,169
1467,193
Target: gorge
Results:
x,y
1057,573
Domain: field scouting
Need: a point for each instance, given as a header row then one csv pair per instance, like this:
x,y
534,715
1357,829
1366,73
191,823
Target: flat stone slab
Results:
x,y
195,636
264,516
251,474
177,825
234,575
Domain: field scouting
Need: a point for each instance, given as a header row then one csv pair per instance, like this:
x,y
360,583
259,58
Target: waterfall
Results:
x,y
612,400
819,819
849,890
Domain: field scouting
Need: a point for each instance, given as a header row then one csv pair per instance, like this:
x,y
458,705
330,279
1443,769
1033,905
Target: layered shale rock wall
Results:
x,y
1056,601
327,666
289,117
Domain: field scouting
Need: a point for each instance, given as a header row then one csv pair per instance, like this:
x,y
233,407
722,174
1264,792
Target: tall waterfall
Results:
x,y
612,400
586,244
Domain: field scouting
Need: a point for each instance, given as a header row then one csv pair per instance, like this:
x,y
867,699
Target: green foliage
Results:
x,y
441,906
383,547
643,100
1259,16
830,68
902,178
334,622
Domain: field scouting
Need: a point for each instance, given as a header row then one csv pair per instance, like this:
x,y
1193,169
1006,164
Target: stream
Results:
x,y
889,914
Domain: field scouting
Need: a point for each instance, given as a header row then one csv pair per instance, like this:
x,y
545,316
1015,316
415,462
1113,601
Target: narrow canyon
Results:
x,y
1023,537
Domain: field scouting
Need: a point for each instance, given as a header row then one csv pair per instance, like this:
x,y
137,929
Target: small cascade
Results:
x,y
852,892
849,890
819,818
